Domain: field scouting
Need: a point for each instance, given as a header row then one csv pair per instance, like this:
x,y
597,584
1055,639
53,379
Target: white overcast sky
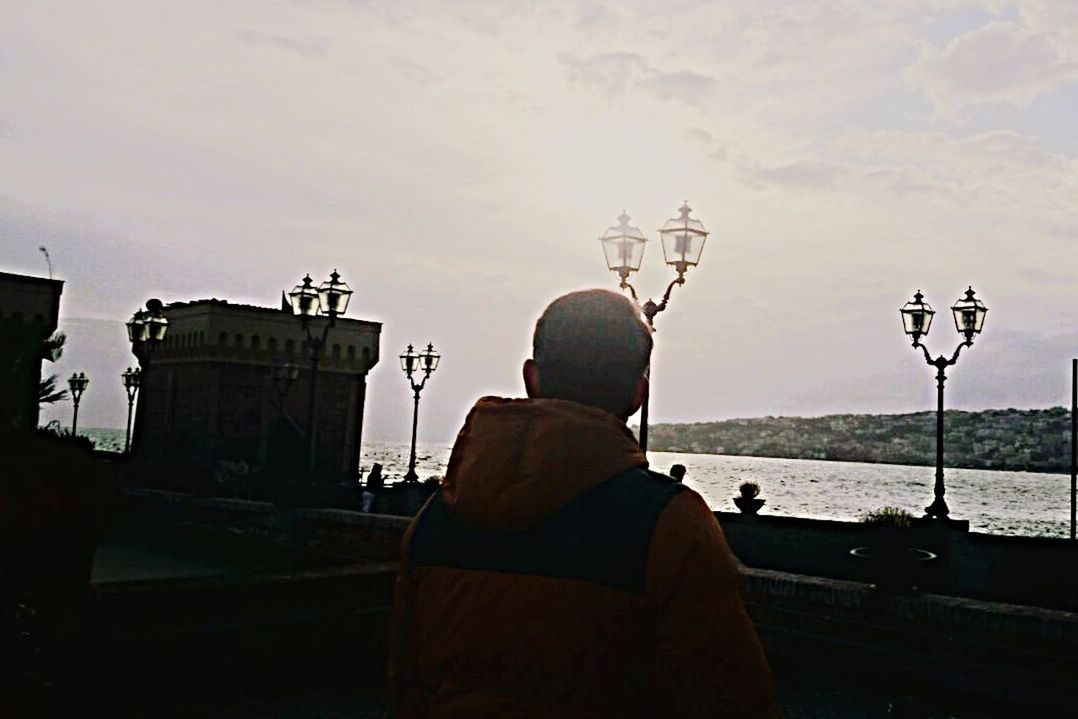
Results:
x,y
456,162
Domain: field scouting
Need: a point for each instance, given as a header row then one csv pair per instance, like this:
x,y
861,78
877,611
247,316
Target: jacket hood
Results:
x,y
517,461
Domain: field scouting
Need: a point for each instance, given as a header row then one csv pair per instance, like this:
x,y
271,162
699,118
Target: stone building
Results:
x,y
214,403
29,312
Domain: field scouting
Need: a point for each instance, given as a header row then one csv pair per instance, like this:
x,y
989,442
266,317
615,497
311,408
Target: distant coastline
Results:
x,y
1014,440
1029,440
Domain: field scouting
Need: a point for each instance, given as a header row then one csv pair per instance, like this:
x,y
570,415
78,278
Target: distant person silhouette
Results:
x,y
678,472
553,575
374,482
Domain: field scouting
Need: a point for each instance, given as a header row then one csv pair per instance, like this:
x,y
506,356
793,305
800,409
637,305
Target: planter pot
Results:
x,y
749,505
892,561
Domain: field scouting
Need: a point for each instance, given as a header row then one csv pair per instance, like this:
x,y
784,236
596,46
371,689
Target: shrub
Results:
x,y
888,517
749,490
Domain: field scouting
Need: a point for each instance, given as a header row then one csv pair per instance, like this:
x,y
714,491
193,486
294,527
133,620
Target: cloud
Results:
x,y
682,85
304,46
1001,62
1044,277
615,73
911,163
805,175
612,72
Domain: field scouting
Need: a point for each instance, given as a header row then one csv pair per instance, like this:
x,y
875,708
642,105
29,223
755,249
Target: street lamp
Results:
x,y
145,330
917,316
683,239
132,379
412,363
330,299
77,383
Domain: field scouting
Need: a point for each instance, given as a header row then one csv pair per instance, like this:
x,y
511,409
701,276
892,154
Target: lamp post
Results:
x,y
132,379
330,300
77,383
917,316
145,330
683,239
413,362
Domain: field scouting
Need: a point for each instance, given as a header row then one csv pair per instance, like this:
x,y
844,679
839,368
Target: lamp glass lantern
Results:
x,y
428,359
969,314
78,383
683,239
409,361
333,295
304,299
156,327
623,246
132,378
137,331
917,316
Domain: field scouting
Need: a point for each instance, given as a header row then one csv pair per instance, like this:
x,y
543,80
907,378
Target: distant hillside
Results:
x,y
1035,440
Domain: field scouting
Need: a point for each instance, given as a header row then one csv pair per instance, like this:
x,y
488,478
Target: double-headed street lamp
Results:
x,y
412,363
132,379
145,330
330,299
683,239
917,316
77,383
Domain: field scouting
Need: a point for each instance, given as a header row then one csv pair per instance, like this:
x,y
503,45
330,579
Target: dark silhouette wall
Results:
x,y
29,309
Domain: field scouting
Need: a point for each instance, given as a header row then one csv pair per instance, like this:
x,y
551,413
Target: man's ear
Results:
x,y
531,379
639,396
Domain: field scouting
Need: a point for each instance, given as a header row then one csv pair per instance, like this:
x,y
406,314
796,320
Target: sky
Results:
x,y
457,161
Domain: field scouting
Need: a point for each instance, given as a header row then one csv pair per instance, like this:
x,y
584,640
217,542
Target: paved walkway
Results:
x,y
171,553
819,692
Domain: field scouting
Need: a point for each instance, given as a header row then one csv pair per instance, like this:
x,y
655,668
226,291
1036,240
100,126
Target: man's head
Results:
x,y
591,347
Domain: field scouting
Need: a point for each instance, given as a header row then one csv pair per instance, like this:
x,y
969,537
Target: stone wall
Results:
x,y
1019,570
1022,570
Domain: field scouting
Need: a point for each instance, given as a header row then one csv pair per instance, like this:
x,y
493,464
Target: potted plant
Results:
x,y
889,548
748,502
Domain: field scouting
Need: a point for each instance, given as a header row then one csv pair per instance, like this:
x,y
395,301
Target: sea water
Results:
x,y
1016,503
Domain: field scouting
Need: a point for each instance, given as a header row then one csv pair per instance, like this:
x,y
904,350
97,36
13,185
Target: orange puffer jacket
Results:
x,y
554,576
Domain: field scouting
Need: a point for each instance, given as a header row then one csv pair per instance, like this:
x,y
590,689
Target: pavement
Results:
x,y
817,691
132,554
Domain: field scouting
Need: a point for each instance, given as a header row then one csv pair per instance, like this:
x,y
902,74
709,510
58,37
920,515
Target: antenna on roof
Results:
x,y
44,250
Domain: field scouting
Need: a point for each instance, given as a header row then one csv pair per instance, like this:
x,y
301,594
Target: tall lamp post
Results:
x,y
917,315
77,383
330,299
132,379
145,330
683,239
412,363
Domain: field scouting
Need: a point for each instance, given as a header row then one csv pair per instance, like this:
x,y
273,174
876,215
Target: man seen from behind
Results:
x,y
554,575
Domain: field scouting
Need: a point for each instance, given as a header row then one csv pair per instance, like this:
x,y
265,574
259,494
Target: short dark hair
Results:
x,y
592,347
